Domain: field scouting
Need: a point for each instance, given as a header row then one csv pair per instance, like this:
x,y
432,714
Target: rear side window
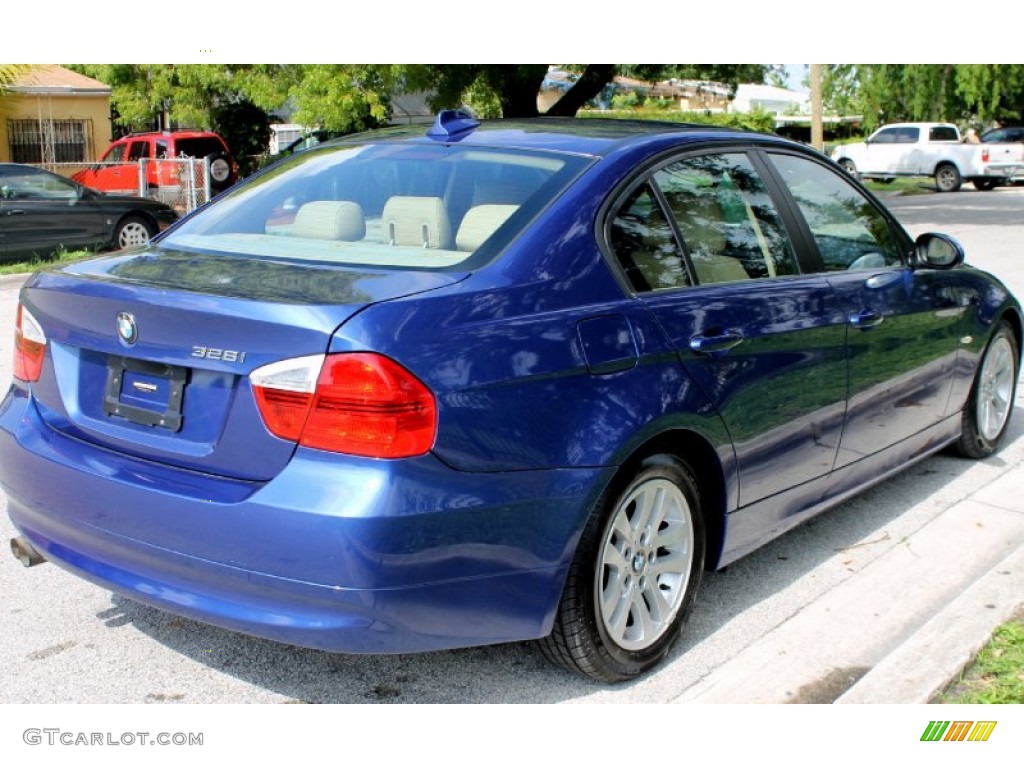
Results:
x,y
198,147
644,244
943,133
700,220
727,220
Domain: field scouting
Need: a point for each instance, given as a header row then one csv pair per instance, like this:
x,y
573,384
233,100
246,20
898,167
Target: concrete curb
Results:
x,y
935,654
8,280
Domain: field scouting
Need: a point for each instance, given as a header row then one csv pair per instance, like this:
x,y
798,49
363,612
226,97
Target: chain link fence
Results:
x,y
184,183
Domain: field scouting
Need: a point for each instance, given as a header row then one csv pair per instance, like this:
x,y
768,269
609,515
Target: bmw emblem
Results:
x,y
127,330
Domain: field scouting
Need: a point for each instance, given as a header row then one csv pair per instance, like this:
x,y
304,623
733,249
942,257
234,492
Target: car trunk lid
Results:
x,y
150,352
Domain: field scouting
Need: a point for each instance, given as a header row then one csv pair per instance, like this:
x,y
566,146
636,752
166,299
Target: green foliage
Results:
x,y
246,129
338,97
627,100
960,93
11,73
741,121
995,91
60,256
997,674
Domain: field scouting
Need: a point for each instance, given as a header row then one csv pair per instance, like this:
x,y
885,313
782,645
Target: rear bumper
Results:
x,y
335,553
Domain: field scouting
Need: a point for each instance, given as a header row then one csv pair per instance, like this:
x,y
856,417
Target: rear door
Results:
x,y
704,247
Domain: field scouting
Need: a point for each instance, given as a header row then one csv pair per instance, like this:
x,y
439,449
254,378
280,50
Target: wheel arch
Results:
x,y
1016,323
146,216
694,450
948,161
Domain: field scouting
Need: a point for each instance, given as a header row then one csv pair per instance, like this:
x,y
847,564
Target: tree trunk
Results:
x,y
516,86
594,78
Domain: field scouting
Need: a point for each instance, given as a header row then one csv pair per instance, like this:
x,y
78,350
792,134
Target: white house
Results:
x,y
768,98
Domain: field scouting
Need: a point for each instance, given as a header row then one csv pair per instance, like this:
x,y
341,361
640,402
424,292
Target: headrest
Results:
x,y
330,220
479,223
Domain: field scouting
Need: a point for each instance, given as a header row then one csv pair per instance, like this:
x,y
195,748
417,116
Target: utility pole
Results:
x,y
817,129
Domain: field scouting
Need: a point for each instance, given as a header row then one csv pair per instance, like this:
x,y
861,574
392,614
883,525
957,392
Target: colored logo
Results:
x,y
958,730
127,330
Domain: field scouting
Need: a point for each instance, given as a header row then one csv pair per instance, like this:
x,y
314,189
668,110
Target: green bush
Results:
x,y
744,121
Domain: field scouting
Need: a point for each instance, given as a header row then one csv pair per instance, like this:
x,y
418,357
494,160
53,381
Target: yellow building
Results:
x,y
54,115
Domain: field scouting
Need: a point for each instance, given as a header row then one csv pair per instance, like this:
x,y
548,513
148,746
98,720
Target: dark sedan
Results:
x,y
41,212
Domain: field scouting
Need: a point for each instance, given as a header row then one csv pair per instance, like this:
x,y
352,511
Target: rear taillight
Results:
x,y
29,346
359,403
984,155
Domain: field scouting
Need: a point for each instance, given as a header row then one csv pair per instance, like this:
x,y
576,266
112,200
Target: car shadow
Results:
x,y
516,672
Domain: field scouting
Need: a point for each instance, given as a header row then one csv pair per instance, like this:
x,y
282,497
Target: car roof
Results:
x,y
587,136
171,134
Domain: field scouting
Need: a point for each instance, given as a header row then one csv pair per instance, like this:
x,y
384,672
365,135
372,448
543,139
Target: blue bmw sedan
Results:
x,y
490,382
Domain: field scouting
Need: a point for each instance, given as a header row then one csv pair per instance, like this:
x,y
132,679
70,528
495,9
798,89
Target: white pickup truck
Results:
x,y
931,149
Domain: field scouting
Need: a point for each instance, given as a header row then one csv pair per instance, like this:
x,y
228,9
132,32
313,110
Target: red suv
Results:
x,y
111,177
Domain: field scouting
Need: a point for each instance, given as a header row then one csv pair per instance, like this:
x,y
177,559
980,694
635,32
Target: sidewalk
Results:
x,y
908,622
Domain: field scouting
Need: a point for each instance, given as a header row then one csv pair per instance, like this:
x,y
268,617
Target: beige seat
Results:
x,y
421,221
479,223
330,220
702,224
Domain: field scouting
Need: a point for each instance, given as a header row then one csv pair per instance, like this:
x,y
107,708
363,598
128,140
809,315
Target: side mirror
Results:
x,y
933,250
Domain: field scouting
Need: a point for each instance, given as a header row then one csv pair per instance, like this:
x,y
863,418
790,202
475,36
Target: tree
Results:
x,y
515,86
994,91
11,73
961,93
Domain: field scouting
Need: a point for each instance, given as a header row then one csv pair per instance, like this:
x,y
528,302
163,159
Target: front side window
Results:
x,y
850,232
908,135
115,154
390,205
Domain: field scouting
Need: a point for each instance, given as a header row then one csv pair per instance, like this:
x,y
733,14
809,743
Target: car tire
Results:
x,y
221,171
988,409
850,167
132,231
947,178
984,185
634,577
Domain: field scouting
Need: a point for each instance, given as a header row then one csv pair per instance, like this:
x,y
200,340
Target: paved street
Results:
x,y
799,620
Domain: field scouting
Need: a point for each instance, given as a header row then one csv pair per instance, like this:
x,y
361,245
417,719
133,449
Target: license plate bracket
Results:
x,y
145,393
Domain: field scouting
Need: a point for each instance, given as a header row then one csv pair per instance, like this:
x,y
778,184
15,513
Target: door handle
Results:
x,y
866,318
716,343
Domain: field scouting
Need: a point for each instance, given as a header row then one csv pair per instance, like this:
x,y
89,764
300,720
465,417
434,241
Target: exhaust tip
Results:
x,y
25,552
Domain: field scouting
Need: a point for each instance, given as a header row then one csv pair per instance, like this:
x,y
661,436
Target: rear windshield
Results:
x,y
389,205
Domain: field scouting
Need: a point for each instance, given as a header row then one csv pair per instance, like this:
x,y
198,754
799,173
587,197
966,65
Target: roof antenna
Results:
x,y
451,122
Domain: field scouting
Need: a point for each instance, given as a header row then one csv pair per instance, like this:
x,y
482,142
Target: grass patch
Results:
x,y
34,265
996,676
902,187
